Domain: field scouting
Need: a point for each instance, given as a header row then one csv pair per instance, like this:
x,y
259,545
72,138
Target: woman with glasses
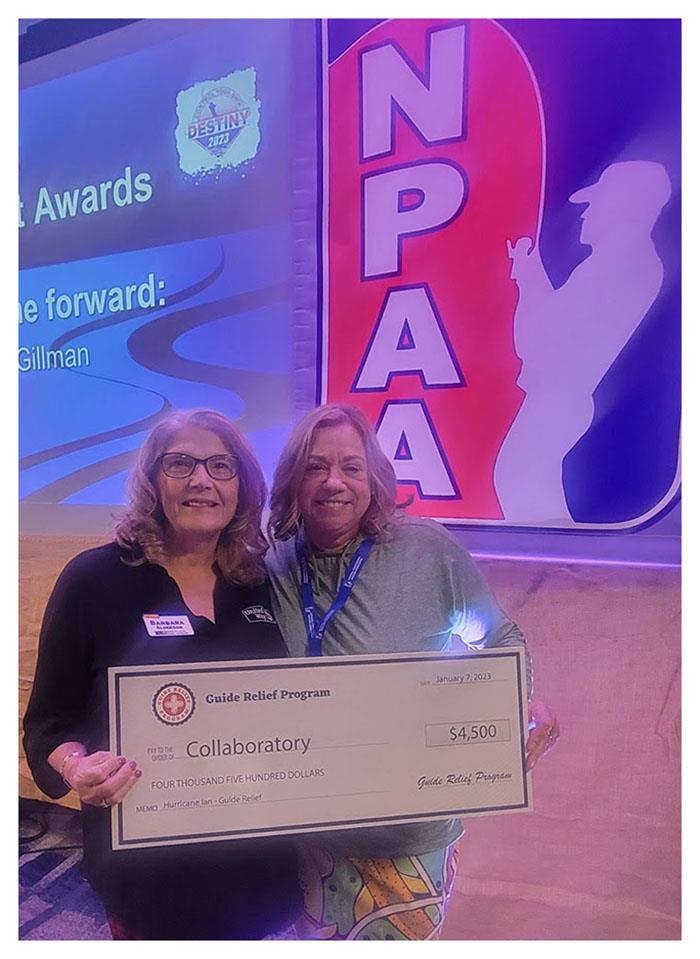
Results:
x,y
189,548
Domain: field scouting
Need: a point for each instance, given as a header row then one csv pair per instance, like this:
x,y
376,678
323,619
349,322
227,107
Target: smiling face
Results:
x,y
334,494
197,508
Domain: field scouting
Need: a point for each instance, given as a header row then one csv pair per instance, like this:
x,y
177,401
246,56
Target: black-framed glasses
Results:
x,y
221,466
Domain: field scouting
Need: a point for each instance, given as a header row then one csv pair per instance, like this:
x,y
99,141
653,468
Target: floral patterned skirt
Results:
x,y
401,898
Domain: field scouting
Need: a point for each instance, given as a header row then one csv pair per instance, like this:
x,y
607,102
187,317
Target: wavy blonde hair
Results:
x,y
285,515
141,529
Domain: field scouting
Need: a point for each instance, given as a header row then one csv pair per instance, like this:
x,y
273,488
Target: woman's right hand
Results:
x,y
101,778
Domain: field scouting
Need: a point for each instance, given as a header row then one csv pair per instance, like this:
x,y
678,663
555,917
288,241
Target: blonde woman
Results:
x,y
333,505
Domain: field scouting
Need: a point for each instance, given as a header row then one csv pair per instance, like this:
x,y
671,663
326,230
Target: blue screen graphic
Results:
x,y
163,252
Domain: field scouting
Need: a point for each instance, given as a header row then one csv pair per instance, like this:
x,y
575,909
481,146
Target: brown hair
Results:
x,y
285,515
141,528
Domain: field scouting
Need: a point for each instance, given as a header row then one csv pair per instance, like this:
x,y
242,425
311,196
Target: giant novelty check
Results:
x,y
238,749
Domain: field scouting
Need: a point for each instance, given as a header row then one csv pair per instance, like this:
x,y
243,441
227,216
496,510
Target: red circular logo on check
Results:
x,y
173,704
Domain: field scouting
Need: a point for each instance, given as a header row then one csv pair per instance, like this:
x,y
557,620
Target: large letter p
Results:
x,y
441,188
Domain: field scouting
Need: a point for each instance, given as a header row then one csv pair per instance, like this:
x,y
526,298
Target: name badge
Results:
x,y
167,625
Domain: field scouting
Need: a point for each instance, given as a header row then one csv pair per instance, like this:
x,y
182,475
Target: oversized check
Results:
x,y
265,747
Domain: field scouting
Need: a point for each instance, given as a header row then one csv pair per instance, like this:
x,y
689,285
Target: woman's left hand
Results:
x,y
544,732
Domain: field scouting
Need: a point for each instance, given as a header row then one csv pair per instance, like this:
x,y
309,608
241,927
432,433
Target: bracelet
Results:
x,y
63,766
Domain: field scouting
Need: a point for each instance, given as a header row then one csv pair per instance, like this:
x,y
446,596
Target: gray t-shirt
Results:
x,y
415,591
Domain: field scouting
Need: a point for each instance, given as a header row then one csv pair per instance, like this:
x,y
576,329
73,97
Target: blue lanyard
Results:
x,y
314,629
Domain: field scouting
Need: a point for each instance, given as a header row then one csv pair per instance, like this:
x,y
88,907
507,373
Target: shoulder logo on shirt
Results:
x,y
258,614
174,704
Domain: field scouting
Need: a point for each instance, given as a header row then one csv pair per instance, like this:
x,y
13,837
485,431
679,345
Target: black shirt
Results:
x,y
240,889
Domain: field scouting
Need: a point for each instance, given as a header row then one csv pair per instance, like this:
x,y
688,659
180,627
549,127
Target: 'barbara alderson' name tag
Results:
x,y
167,625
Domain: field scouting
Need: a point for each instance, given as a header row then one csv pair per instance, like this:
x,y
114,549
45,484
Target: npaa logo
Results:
x,y
174,704
493,379
218,123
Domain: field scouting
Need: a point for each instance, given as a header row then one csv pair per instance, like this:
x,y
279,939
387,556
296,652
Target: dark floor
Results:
x,y
55,900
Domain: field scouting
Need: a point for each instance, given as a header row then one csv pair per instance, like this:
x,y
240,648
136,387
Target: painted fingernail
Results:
x,y
133,764
122,759
138,773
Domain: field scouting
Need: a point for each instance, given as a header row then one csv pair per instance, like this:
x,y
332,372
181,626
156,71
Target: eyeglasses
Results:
x,y
221,466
